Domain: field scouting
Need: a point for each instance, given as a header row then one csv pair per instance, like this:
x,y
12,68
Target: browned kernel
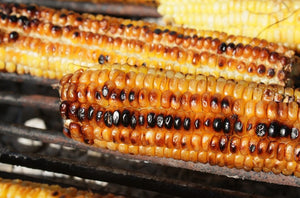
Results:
x,y
247,51
234,144
239,50
274,56
255,52
261,70
281,75
271,73
251,68
264,54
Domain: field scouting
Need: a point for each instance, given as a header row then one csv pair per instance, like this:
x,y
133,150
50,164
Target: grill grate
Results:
x,y
128,10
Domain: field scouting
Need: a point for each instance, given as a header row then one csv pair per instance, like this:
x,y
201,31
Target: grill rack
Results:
x,y
116,9
162,175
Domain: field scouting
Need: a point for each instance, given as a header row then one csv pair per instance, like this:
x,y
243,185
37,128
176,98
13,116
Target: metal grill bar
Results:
x,y
13,77
103,8
37,101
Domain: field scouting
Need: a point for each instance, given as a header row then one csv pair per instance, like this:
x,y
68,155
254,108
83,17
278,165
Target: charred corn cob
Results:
x,y
18,188
146,113
276,21
44,42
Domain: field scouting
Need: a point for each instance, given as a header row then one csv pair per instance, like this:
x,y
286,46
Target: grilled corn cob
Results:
x,y
18,188
276,21
44,42
151,113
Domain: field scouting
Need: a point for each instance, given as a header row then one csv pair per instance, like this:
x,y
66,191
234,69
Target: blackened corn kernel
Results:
x,y
160,120
116,118
129,25
90,113
114,95
125,118
77,34
217,124
13,36
3,16
157,31
230,47
123,95
197,124
271,72
284,131
13,18
225,103
151,120
81,114
222,48
294,133
261,129
105,91
261,70
73,109
177,123
187,124
131,96
97,95
99,115
214,102
207,122
101,59
141,120
168,121
108,118
226,126
238,126
63,109
274,129
233,146
252,148
249,126
133,121
223,143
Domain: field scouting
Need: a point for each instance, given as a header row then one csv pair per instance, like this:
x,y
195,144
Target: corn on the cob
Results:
x,y
148,113
276,21
18,189
43,42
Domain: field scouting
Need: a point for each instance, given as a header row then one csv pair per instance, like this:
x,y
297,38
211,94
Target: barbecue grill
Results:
x,y
46,155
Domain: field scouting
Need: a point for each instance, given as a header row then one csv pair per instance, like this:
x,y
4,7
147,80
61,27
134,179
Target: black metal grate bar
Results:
x,y
37,101
13,77
117,9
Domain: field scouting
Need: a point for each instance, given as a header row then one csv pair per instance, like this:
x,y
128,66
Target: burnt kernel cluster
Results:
x,y
226,125
275,129
126,118
21,20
